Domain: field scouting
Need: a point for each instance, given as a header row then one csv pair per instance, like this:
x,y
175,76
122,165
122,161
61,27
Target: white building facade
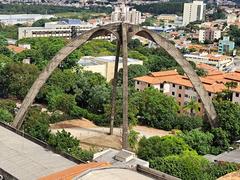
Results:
x,y
124,13
22,18
209,34
194,11
65,29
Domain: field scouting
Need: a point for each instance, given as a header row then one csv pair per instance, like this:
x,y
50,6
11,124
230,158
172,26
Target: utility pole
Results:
x,y
125,86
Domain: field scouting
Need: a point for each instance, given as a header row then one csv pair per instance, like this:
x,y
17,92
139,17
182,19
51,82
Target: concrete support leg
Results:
x,y
114,89
125,86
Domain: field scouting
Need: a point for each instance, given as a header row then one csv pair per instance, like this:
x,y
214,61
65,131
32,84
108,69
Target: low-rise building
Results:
x,y
209,35
225,46
28,19
66,28
104,65
122,158
167,17
181,88
219,61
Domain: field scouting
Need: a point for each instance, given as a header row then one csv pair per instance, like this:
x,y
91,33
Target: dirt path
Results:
x,y
92,136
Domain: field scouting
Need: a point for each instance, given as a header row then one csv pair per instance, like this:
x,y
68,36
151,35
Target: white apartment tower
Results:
x,y
194,11
125,14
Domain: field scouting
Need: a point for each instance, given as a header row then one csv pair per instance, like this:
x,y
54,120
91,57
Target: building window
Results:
x,y
209,94
179,103
138,82
186,96
161,86
173,93
237,94
180,87
138,89
179,95
173,85
149,85
199,109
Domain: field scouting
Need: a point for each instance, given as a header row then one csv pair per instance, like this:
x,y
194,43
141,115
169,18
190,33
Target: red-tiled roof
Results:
x,y
164,73
69,174
15,49
213,83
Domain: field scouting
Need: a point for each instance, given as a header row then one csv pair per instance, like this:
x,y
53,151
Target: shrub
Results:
x,y
61,101
187,123
186,166
8,105
78,112
5,116
160,147
36,124
221,141
189,165
64,142
198,140
229,118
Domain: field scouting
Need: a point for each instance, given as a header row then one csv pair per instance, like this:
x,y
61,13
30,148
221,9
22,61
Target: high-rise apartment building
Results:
x,y
209,35
125,14
194,11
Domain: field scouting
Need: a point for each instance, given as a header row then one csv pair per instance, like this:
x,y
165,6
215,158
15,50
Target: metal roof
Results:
x,y
25,159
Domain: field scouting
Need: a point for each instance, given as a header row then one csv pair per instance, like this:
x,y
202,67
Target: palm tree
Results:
x,y
231,84
193,106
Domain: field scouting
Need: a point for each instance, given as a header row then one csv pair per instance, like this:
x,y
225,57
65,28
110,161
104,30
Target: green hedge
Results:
x,y
78,112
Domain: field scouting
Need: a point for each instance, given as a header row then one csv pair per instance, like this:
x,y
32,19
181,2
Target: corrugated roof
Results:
x,y
27,160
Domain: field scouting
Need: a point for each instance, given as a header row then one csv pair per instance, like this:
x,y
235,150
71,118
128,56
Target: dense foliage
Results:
x,y
37,125
156,109
156,146
229,118
16,79
189,165
161,8
50,9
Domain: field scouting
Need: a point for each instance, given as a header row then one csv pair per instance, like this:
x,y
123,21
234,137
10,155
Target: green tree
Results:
x,y
156,109
42,49
16,79
4,60
61,101
86,97
36,124
134,43
40,22
198,140
187,123
188,165
134,70
64,142
221,140
192,106
3,41
156,146
132,109
229,118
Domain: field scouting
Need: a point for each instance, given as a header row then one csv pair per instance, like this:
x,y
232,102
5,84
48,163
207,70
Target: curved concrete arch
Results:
x,y
177,55
115,29
54,63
